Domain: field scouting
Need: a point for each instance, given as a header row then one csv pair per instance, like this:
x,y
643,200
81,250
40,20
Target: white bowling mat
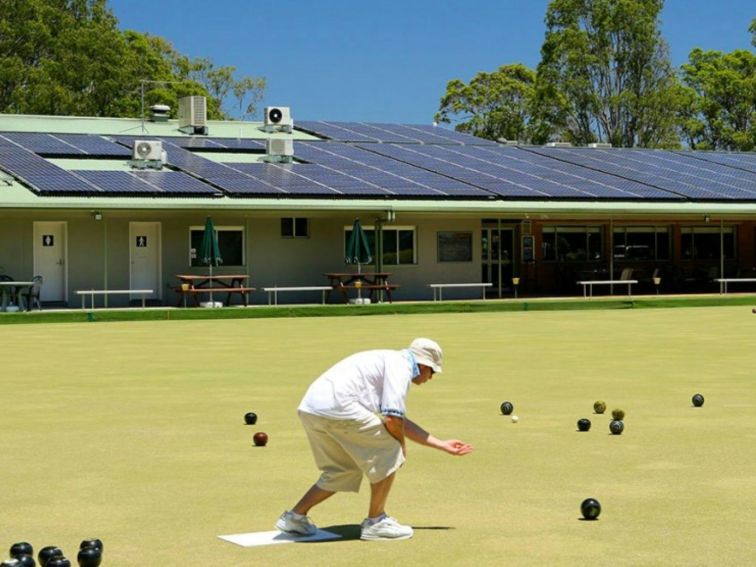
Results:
x,y
255,539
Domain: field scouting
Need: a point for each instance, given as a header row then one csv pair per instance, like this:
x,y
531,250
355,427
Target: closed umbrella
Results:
x,y
210,251
358,250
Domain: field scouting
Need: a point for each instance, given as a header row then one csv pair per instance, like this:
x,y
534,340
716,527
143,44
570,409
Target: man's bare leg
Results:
x,y
379,492
312,497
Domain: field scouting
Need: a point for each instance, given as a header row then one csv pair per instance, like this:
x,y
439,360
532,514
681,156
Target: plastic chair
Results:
x,y
627,274
32,296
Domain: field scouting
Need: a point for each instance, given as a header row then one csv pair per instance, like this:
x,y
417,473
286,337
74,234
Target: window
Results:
x,y
703,242
398,244
295,227
572,243
455,246
641,243
230,242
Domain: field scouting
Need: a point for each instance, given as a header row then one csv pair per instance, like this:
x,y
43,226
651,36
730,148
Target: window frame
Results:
x,y
392,228
587,230
218,230
295,233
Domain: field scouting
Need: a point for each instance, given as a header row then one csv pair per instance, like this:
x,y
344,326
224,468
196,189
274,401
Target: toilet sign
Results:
x,y
141,242
48,240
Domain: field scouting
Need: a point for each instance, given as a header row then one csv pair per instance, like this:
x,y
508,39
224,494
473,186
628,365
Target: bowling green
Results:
x,y
134,433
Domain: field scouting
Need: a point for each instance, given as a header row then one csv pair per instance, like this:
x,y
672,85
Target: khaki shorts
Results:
x,y
344,450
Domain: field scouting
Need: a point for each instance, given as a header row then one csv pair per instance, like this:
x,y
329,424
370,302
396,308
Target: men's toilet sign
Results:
x,y
48,240
141,242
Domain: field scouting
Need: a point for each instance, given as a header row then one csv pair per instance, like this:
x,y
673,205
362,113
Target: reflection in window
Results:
x,y
230,243
572,243
398,244
705,242
641,243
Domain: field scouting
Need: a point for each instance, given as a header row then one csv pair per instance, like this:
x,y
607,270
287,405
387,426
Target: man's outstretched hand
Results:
x,y
456,447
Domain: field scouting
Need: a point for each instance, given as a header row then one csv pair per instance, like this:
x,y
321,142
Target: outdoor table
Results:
x,y
369,281
11,290
217,283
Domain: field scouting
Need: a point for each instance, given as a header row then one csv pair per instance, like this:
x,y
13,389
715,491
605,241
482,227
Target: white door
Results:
x,y
50,259
144,252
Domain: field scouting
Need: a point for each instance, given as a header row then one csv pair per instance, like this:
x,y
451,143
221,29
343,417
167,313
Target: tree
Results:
x,y
605,74
493,105
252,87
69,57
721,97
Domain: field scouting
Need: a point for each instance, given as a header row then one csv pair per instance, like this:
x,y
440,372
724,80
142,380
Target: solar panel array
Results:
x,y
383,161
389,133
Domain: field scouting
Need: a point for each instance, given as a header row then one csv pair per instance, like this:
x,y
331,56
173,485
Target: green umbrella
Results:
x,y
358,249
209,250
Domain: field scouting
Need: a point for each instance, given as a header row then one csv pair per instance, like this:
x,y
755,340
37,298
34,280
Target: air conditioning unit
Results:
x,y
192,115
147,150
278,119
600,145
559,145
279,150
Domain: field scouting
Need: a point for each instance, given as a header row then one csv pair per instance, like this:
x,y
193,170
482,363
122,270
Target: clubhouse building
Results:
x,y
120,204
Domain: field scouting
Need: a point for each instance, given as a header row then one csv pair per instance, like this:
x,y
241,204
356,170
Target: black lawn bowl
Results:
x,y
590,508
584,424
94,542
47,553
21,548
506,408
89,557
26,560
617,426
59,562
698,400
250,418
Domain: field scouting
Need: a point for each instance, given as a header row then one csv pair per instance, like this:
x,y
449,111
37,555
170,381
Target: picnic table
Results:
x,y
194,285
344,282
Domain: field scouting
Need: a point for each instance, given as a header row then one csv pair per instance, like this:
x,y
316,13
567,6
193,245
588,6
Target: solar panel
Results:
x,y
396,176
739,160
40,175
390,133
43,143
216,143
175,182
643,167
94,145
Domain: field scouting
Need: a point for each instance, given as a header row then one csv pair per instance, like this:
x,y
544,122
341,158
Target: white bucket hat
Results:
x,y
427,352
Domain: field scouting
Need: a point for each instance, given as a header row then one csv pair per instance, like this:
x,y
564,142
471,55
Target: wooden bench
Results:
x,y
192,292
273,291
372,288
438,288
724,281
588,285
92,292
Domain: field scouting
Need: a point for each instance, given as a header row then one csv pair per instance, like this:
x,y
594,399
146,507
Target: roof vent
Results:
x,y
159,112
279,150
278,119
599,145
505,142
192,115
558,145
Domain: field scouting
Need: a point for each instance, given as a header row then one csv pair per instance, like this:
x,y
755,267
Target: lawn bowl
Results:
x,y
583,424
590,508
93,542
506,408
89,557
260,439
599,406
250,418
47,553
21,548
698,400
25,560
617,426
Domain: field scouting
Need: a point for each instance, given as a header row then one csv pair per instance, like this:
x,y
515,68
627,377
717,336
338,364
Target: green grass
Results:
x,y
133,432
403,308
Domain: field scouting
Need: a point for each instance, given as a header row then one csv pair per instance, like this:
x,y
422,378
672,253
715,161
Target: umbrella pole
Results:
x,y
212,303
359,289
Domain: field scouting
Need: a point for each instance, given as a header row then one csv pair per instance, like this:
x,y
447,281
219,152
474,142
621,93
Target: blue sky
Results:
x,y
389,60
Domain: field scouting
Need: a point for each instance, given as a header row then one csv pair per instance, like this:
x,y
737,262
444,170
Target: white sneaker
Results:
x,y
387,528
291,524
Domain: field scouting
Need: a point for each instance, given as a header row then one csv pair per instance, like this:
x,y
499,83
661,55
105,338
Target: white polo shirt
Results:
x,y
370,382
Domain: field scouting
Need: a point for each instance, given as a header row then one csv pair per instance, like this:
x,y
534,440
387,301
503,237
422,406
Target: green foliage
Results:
x,y
68,57
720,93
493,105
605,74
